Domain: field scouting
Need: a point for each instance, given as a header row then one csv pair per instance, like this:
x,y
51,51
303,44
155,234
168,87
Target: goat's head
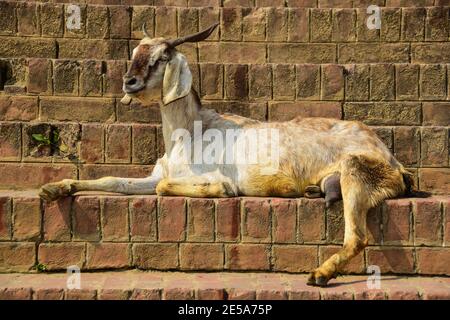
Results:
x,y
157,64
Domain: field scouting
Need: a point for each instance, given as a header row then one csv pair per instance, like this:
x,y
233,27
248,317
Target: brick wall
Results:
x,y
406,236
304,57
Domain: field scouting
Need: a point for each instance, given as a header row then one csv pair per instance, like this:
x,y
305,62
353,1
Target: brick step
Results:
x,y
118,24
263,3
97,145
406,236
256,82
135,285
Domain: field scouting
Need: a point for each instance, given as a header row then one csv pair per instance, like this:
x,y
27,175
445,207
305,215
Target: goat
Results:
x,y
340,159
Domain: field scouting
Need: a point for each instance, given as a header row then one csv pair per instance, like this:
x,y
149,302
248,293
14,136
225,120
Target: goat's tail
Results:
x,y
408,180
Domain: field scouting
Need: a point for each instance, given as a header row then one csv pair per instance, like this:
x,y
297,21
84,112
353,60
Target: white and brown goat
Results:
x,y
341,159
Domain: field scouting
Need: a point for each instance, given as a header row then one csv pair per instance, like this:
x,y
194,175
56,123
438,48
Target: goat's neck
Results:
x,y
180,114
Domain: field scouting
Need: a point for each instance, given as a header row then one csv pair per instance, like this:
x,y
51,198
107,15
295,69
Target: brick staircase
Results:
x,y
269,60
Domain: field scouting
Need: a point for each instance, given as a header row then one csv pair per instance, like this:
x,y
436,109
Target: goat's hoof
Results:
x,y
55,190
313,192
318,279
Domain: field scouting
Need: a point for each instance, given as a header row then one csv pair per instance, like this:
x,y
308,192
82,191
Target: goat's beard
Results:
x,y
146,96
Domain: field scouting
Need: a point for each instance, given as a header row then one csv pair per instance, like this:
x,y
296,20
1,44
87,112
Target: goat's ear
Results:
x,y
177,79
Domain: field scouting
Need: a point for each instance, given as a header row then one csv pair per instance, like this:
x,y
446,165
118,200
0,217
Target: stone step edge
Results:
x,y
138,285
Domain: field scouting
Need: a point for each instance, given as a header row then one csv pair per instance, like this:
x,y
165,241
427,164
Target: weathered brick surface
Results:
x,y
182,285
170,233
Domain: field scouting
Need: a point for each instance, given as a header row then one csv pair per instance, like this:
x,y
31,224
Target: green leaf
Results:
x,y
40,138
55,137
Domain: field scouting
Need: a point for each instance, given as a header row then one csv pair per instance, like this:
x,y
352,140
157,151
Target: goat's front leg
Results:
x,y
66,187
202,186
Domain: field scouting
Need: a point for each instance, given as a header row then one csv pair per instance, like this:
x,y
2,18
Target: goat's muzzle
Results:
x,y
132,84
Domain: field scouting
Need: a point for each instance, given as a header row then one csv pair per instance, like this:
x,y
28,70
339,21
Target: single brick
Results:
x,y
228,52
285,111
253,24
236,81
335,224
18,108
27,218
434,52
201,256
384,113
119,21
113,79
107,255
40,76
200,220
284,82
60,256
413,24
407,145
435,180
436,114
51,16
211,76
5,218
260,82
143,218
321,25
357,83
433,82
118,143
114,217
144,144
17,256
397,219
166,22
433,261
311,220
298,25
228,219
65,76
86,219
171,219
231,24
141,15
97,26
56,220
391,259
294,258
390,24
10,141
247,257
302,53
27,47
277,24
256,220
373,53
284,220
8,18
90,78
160,256
434,147
427,222
437,28
363,33
28,19
407,85
92,49
308,82
343,25
187,21
71,29
332,82
92,143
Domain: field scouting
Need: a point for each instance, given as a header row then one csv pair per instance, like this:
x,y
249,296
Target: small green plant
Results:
x,y
52,141
40,267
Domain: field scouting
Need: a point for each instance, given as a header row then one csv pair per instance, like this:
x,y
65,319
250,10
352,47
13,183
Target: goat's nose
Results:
x,y
130,81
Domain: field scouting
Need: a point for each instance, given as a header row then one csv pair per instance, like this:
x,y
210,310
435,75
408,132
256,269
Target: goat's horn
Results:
x,y
144,30
196,37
